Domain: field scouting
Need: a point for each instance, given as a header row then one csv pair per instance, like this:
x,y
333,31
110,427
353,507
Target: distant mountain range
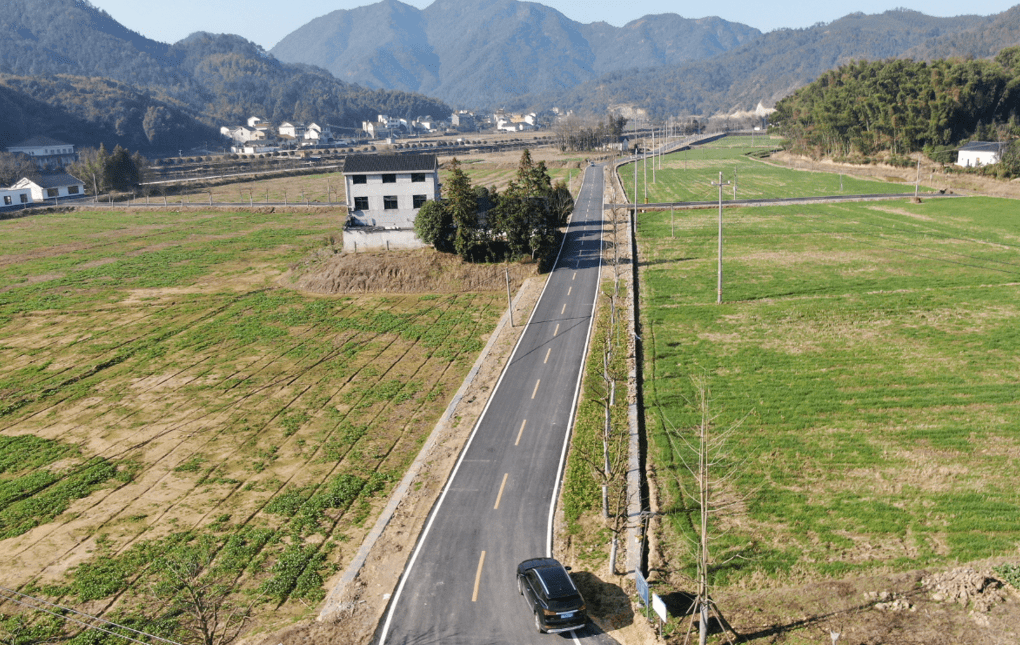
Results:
x,y
103,82
71,69
774,65
521,55
484,52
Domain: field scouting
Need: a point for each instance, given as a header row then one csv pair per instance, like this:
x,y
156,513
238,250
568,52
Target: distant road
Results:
x,y
780,201
497,509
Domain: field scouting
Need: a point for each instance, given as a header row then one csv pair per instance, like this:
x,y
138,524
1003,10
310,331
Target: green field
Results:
x,y
165,396
689,175
871,352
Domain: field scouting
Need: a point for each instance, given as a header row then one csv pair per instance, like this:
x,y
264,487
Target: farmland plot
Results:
x,y
165,400
871,353
688,176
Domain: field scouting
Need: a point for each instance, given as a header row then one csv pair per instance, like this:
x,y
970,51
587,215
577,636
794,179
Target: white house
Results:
x,y
47,153
295,130
255,121
386,191
242,134
56,186
979,153
14,198
321,134
375,129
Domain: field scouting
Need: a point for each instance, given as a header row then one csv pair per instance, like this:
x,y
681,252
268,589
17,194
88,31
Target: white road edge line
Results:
x,y
464,451
570,424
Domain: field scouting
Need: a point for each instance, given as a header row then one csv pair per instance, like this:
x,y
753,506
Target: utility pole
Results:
x,y
509,300
917,181
720,184
645,158
635,191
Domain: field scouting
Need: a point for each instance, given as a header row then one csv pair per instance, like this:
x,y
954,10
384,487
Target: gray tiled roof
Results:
x,y
390,163
37,141
58,180
982,146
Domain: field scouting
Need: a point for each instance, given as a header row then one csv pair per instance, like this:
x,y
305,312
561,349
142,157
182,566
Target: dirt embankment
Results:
x,y
422,271
931,174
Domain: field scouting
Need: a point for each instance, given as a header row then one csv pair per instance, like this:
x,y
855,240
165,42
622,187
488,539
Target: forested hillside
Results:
x,y
481,53
981,41
71,71
765,70
900,106
89,111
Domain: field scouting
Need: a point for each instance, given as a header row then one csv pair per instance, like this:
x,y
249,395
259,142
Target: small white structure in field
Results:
x,y
979,153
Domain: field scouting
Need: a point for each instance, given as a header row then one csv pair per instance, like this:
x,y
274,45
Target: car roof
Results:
x,y
556,581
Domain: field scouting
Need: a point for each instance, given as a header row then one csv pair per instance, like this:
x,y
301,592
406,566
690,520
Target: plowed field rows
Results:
x,y
220,418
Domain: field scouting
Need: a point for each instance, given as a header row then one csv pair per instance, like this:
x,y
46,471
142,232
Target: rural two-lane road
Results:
x,y
497,508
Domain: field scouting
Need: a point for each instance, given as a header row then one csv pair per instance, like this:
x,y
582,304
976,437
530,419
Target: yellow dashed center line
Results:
x,y
569,292
478,577
521,433
564,310
547,355
537,383
500,496
557,330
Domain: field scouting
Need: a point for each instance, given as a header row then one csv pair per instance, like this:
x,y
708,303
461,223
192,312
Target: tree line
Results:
x,y
481,224
897,107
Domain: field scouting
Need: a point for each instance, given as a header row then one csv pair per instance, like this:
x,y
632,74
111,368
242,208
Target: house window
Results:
x,y
53,192
390,202
360,179
24,198
361,203
7,200
418,177
72,190
389,179
419,200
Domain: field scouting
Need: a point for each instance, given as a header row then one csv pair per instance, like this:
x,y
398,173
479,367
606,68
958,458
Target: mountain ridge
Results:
x,y
483,52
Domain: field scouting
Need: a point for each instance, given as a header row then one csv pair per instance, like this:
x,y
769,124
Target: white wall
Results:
x,y
357,241
404,190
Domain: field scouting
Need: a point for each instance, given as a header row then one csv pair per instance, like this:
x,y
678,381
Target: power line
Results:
x,y
38,605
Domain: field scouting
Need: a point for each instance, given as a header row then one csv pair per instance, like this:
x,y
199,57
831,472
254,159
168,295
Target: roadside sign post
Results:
x,y
660,609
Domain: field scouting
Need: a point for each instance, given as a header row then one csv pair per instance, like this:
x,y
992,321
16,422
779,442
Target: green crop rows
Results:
x,y
870,351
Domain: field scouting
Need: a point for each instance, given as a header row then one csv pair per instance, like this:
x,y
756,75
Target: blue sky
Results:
x,y
266,22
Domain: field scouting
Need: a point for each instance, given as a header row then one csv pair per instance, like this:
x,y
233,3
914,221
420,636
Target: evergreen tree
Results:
x,y
434,225
463,208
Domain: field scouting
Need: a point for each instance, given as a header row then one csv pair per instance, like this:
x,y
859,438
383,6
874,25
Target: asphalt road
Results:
x,y
497,508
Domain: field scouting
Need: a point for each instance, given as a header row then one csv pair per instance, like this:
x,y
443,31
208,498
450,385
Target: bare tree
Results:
x,y
712,472
209,612
14,167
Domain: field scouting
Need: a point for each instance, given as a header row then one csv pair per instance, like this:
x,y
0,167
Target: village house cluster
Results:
x,y
50,156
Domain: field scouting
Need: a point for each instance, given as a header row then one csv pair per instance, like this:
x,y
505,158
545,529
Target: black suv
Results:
x,y
552,595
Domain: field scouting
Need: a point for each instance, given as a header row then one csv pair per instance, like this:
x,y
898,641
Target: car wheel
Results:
x,y
538,624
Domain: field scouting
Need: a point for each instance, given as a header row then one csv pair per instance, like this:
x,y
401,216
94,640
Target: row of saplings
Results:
x,y
484,225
